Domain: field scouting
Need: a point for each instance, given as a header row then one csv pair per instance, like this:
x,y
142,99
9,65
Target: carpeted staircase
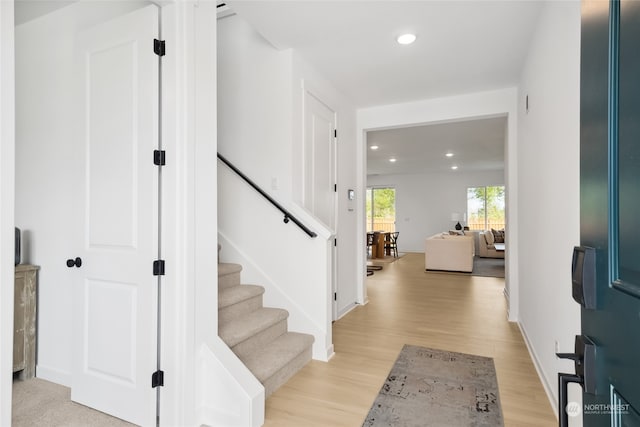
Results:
x,y
258,335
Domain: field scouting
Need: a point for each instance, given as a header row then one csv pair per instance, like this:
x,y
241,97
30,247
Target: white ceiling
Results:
x,y
477,145
27,10
462,47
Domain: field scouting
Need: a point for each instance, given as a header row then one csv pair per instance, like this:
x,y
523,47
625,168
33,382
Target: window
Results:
x,y
485,208
381,209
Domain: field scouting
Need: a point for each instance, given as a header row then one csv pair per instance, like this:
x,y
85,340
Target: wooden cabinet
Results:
x,y
24,320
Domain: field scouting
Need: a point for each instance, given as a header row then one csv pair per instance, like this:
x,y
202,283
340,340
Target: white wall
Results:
x,y
494,103
257,108
6,207
424,202
48,170
254,118
549,173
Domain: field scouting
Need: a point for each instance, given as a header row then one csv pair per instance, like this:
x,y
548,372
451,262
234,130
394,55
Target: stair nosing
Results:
x,y
227,268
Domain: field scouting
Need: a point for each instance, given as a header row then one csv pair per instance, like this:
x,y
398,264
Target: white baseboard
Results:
x,y
505,292
536,363
53,375
330,353
346,310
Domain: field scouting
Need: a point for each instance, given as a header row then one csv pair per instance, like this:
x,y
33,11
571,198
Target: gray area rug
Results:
x,y
488,267
429,387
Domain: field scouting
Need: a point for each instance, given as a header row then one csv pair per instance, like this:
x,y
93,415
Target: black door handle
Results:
x,y
74,262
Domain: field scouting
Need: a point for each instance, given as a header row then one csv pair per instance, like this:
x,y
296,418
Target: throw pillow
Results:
x,y
488,236
498,235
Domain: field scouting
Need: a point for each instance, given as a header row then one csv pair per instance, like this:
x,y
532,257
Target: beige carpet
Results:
x,y
38,402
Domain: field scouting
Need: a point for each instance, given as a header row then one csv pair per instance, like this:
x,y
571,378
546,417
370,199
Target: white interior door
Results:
x,y
320,172
115,298
320,159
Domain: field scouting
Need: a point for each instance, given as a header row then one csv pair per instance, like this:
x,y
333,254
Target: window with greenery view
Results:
x,y
485,208
381,209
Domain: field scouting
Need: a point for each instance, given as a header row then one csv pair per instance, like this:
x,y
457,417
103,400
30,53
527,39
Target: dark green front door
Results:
x,y
610,205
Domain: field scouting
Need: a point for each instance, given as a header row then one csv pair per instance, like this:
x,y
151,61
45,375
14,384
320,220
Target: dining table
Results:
x,y
379,240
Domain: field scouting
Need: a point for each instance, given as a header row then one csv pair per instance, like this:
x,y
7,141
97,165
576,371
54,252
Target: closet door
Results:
x,y
115,299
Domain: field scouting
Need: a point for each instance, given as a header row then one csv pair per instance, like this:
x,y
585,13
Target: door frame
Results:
x,y
7,190
502,102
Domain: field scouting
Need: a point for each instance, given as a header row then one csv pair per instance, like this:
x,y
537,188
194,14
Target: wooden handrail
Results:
x,y
288,216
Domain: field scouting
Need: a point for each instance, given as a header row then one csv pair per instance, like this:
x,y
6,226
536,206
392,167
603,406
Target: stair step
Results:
x,y
237,301
254,330
228,275
258,335
278,361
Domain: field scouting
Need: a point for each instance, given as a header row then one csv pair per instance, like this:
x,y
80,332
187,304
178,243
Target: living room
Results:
x,y
430,193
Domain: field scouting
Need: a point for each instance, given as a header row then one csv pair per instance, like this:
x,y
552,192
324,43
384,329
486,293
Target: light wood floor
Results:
x,y
409,306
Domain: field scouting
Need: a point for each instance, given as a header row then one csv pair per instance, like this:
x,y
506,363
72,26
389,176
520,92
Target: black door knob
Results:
x,y
74,262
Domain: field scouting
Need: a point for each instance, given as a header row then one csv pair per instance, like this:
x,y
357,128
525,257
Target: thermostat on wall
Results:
x,y
351,194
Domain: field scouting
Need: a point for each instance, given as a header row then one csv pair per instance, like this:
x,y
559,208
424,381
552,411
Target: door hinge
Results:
x,y
157,379
159,47
335,296
335,133
335,242
158,267
159,157
335,188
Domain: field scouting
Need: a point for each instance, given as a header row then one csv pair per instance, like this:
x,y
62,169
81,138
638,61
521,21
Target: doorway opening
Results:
x,y
432,163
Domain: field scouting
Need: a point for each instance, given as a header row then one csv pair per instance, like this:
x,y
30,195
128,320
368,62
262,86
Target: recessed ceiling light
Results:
x,y
374,147
449,154
454,167
392,160
406,38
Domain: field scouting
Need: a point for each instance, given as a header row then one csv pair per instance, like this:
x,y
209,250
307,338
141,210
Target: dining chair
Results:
x,y
392,244
370,241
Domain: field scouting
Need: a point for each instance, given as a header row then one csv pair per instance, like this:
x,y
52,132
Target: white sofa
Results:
x,y
486,245
450,253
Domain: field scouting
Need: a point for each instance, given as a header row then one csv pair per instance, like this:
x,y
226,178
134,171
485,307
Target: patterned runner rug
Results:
x,y
428,387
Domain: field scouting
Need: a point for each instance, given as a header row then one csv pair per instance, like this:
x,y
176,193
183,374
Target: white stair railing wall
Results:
x,y
294,268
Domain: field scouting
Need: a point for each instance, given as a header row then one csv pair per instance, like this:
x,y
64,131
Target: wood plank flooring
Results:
x,y
409,306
